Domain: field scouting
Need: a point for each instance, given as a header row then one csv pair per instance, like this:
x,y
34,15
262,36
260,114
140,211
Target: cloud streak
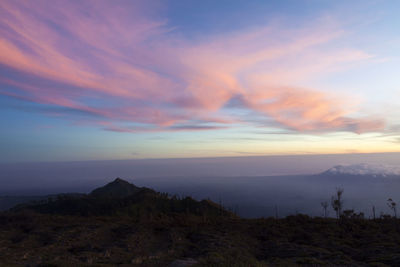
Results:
x,y
128,68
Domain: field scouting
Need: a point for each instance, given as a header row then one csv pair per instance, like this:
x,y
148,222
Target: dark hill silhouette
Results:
x,y
120,197
117,188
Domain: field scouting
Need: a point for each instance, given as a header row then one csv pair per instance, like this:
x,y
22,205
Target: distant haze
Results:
x,y
34,178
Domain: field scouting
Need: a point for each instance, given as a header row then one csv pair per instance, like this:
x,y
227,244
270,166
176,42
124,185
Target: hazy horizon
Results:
x,y
254,186
63,176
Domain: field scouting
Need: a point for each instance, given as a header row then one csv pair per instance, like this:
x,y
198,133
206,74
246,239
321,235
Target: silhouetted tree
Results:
x,y
392,205
337,202
220,206
236,210
350,214
276,212
373,212
324,205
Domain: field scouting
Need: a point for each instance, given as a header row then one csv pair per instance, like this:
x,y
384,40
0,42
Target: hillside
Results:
x,y
118,188
147,228
120,198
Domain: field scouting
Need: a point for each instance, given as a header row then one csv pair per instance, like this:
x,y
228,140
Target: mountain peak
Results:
x,y
376,170
119,180
116,188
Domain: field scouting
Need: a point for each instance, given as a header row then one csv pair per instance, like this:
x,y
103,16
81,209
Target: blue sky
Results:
x,y
149,79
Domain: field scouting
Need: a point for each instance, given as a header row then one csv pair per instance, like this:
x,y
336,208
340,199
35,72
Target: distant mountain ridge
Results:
x,y
371,170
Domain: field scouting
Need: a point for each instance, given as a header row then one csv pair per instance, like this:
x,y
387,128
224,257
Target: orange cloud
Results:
x,y
308,110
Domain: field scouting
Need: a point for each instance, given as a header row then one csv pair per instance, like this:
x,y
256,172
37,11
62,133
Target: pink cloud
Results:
x,y
308,110
137,72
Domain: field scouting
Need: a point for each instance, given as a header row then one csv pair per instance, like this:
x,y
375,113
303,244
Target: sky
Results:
x,y
107,80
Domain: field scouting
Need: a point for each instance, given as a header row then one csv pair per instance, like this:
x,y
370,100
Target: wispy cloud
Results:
x,y
126,67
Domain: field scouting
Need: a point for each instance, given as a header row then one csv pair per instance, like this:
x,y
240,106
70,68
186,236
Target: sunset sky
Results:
x,y
89,80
